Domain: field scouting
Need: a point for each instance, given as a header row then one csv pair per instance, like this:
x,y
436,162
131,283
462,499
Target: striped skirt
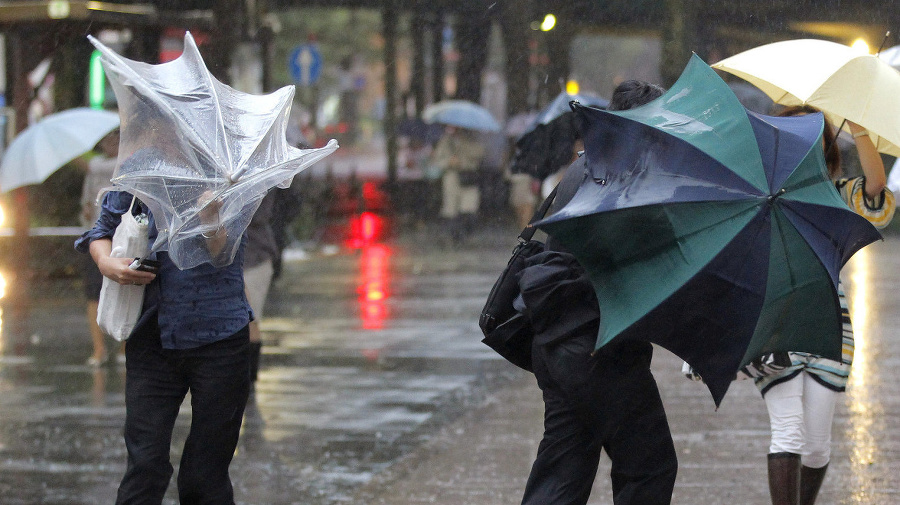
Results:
x,y
831,374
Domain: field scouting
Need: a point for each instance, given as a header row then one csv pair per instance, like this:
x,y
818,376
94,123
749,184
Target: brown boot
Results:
x,y
810,482
784,478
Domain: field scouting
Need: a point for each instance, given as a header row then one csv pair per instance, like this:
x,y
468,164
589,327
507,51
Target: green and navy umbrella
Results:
x,y
711,230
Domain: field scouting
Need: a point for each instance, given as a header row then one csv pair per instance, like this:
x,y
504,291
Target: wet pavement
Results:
x,y
375,388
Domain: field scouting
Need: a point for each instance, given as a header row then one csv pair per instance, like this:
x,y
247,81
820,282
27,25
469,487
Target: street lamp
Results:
x,y
548,23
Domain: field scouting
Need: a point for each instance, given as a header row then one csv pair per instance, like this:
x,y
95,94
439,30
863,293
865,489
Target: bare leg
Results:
x,y
97,336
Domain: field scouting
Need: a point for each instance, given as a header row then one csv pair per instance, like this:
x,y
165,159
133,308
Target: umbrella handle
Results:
x,y
886,35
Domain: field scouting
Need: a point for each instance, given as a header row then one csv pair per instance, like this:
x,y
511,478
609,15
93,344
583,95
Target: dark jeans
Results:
x,y
157,380
604,402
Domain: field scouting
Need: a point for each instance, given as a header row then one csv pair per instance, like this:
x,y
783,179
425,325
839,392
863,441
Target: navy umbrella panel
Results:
x,y
711,230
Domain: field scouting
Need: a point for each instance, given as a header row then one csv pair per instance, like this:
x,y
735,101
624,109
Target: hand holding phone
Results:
x,y
145,265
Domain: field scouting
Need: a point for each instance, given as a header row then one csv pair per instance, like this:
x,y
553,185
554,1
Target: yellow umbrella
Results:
x,y
840,81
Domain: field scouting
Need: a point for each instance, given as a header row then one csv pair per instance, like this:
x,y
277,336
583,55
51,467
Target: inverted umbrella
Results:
x,y
840,81
461,113
188,141
50,143
548,142
711,230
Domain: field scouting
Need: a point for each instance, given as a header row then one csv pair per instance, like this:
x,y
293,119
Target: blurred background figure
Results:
x,y
260,259
458,156
98,168
522,197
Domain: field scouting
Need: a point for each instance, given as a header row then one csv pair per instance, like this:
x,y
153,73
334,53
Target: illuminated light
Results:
x,y
2,285
368,226
58,9
373,287
365,228
572,87
374,291
865,409
548,23
861,46
96,82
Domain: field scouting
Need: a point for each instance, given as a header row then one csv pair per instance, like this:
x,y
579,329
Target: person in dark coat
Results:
x,y
594,401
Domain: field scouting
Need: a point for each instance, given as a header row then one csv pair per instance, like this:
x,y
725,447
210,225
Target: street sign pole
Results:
x,y
305,67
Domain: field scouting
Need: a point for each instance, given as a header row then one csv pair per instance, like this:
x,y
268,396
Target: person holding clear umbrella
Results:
x,y
192,336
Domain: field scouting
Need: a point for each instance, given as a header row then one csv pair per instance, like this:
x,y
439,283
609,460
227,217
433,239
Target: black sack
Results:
x,y
504,329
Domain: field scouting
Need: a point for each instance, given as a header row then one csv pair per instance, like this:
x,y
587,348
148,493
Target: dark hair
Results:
x,y
633,93
829,136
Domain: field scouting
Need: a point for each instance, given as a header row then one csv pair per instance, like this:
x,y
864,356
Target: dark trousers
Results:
x,y
157,380
604,402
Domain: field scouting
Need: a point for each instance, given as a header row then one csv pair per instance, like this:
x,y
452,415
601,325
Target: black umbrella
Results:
x,y
549,143
415,128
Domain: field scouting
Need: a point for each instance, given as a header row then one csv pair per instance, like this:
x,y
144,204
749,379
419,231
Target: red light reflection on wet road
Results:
x,y
374,285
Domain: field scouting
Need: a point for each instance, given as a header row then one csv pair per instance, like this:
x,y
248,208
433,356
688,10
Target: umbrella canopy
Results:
x,y
548,142
55,140
838,80
560,106
711,230
891,56
461,113
188,141
517,125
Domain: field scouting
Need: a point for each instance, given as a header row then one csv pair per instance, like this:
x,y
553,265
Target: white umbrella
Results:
x,y
55,140
838,80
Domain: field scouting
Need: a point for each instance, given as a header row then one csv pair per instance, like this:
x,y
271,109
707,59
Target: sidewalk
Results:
x,y
395,400
484,457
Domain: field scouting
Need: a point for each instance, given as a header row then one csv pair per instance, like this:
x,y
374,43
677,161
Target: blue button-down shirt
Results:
x,y
193,307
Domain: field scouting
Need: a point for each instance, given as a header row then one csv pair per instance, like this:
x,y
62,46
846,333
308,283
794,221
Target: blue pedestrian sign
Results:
x,y
305,64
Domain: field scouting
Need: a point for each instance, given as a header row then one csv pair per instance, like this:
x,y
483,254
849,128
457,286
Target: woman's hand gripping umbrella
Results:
x,y
190,143
710,230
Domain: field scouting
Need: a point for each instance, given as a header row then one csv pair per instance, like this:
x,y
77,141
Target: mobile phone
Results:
x,y
145,265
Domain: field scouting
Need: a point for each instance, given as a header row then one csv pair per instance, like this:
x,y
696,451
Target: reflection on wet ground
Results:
x,y
365,353
869,430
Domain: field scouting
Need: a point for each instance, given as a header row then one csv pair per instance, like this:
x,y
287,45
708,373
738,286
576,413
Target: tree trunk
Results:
x,y
472,34
514,21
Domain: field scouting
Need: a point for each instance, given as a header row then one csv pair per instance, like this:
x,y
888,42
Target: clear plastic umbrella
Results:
x,y
190,143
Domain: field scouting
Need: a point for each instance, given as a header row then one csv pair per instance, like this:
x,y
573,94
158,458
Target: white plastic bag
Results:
x,y
120,306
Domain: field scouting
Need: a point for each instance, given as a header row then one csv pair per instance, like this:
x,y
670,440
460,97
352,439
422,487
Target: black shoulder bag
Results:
x,y
505,329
